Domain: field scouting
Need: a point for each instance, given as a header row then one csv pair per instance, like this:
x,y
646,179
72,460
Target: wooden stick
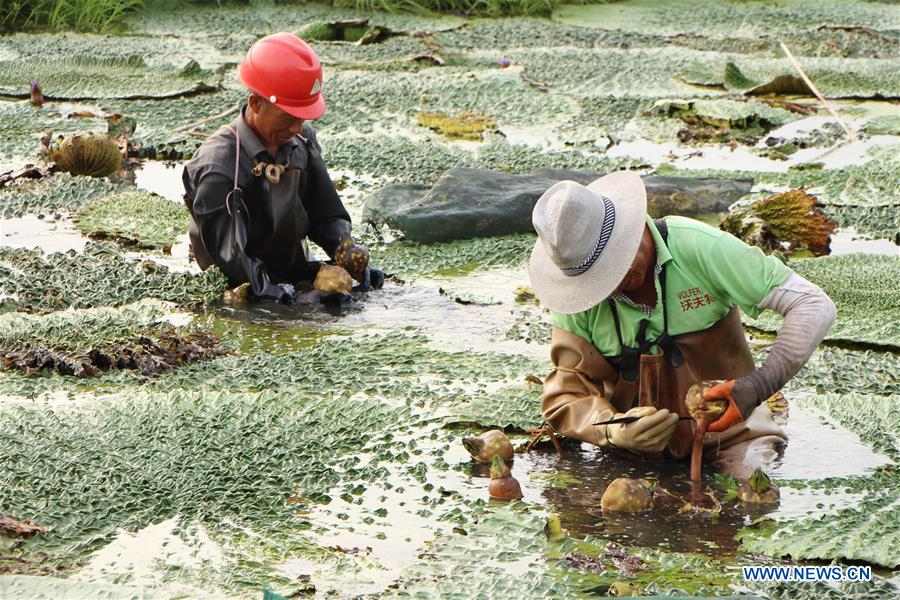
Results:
x,y
206,120
818,94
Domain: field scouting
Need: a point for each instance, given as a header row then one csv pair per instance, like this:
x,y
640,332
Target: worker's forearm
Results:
x,y
808,315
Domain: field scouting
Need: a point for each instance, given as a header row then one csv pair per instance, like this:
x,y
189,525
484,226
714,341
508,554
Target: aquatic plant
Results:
x,y
134,218
627,495
488,8
503,485
215,457
136,336
865,290
788,222
489,444
333,279
86,76
758,489
95,155
411,258
100,276
60,193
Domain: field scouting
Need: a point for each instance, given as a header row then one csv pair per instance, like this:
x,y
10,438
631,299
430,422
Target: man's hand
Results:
x,y
733,414
650,433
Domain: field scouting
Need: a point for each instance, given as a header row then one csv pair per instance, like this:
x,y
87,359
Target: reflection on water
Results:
x,y
578,505
410,308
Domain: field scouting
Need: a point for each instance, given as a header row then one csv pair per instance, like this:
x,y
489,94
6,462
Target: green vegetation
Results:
x,y
326,446
134,218
79,77
486,8
466,126
60,193
100,276
865,290
77,15
137,336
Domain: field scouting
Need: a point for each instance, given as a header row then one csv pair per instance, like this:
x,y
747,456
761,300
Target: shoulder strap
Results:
x,y
663,228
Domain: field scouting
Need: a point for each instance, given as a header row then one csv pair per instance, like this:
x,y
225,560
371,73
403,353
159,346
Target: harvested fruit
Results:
x,y
94,154
488,445
627,495
332,279
503,485
758,489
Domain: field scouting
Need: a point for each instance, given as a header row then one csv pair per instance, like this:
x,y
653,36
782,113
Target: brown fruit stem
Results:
x,y
697,449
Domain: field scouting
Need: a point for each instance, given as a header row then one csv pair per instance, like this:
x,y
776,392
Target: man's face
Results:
x,y
275,126
640,266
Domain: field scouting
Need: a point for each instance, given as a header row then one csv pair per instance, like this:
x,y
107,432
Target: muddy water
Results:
x,y
572,486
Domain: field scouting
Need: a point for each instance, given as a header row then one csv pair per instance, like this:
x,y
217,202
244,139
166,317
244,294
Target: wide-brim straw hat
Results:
x,y
587,239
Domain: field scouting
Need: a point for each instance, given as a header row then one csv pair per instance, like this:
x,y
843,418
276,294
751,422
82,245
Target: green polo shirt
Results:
x,y
707,272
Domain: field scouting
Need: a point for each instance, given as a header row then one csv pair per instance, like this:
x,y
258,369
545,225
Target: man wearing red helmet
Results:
x,y
258,186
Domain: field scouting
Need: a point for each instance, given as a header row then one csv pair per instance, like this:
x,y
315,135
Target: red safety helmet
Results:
x,y
283,69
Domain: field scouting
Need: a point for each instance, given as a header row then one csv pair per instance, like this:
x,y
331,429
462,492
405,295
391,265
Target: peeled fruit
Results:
x,y
332,279
93,154
627,495
758,489
701,408
490,444
503,485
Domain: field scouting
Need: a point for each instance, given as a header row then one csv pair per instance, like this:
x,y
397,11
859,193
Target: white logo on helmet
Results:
x,y
316,88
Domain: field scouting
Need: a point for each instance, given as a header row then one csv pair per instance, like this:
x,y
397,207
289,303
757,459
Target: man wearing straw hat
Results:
x,y
644,309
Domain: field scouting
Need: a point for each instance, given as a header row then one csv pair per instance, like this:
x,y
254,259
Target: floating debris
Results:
x,y
12,527
465,126
783,223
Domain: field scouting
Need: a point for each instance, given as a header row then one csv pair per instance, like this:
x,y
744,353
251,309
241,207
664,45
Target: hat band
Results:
x,y
608,222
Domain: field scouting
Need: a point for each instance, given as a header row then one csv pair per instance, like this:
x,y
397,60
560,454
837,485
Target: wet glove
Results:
x,y
372,278
650,433
739,405
282,293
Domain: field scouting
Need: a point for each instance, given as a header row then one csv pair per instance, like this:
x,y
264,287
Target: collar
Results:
x,y
254,146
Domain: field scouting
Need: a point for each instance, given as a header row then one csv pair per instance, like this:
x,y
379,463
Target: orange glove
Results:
x,y
732,414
